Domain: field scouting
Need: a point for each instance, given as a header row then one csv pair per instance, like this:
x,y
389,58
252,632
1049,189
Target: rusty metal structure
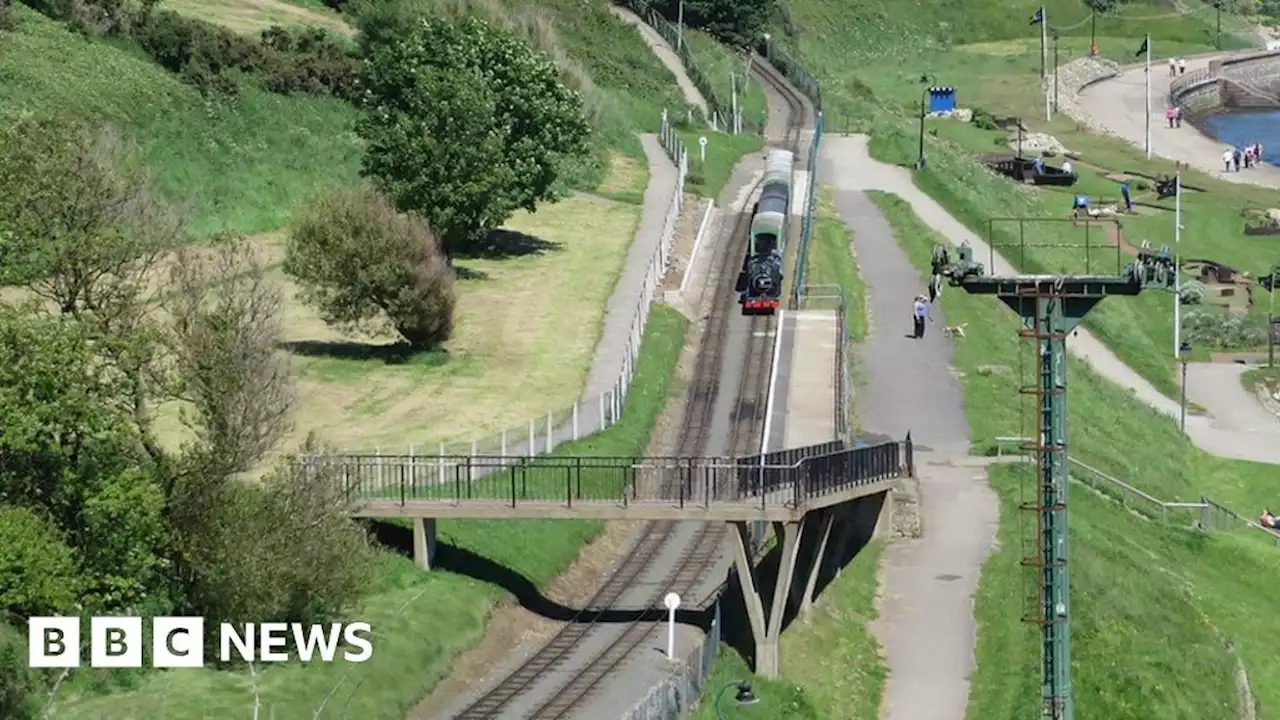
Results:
x,y
1051,306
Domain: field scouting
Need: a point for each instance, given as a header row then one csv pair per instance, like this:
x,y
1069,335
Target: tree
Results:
x,y
282,550
361,262
224,339
69,452
465,124
737,23
81,227
38,573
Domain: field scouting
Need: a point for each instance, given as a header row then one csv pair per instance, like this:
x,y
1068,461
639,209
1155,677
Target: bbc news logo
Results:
x,y
178,642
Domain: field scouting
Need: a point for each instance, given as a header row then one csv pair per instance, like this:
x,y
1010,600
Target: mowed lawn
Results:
x,y
524,340
254,16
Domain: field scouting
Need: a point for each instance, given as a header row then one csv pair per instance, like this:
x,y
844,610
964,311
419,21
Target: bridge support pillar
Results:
x,y
884,525
766,629
424,542
828,517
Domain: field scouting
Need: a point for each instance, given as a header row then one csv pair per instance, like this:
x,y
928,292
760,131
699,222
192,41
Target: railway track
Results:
x,y
696,430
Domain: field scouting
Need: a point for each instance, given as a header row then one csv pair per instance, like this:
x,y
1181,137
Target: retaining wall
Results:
x,y
1248,80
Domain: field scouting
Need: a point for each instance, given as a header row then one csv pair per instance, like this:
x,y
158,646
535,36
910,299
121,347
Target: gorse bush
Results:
x,y
282,60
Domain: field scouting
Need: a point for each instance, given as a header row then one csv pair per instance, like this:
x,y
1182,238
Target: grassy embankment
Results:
x,y
870,67
1152,602
421,620
244,166
832,667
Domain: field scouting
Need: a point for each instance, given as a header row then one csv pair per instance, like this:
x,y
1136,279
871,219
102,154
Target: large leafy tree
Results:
x,y
465,124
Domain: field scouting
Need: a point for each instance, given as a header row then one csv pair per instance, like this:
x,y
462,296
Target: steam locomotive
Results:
x,y
761,283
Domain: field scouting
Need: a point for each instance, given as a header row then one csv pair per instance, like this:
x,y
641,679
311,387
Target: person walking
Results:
x,y
1177,116
1169,114
1182,66
919,313
1173,67
1248,156
1226,160
1236,157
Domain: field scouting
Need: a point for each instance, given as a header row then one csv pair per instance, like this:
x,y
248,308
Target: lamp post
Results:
x,y
924,80
744,696
1183,350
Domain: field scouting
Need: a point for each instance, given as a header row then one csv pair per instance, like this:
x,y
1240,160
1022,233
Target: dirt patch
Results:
x,y
251,17
687,224
513,631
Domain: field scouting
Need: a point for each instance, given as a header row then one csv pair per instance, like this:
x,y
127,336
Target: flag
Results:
x,y
1267,282
1038,17
1142,50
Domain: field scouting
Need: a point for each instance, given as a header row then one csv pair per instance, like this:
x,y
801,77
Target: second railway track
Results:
x,y
703,552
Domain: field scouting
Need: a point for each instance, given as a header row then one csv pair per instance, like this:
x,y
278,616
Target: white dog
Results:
x,y
955,330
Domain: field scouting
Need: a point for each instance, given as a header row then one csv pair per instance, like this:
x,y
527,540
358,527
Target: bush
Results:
x,y
38,573
1224,331
19,684
359,260
8,21
283,60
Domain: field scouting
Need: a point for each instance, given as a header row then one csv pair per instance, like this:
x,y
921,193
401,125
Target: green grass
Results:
x,y
240,168
869,64
831,666
1151,600
718,63
723,153
831,262
421,620
1263,376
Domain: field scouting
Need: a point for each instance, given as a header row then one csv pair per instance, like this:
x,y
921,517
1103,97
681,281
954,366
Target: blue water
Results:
x,y
1246,128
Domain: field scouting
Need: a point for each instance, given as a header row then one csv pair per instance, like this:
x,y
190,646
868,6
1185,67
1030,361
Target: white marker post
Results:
x,y
672,601
702,148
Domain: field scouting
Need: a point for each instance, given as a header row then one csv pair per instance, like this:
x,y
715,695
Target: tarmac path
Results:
x,y
926,621
1119,105
667,56
1236,428
926,624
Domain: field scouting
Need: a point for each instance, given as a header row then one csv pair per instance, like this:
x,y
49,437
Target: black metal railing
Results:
x,y
786,477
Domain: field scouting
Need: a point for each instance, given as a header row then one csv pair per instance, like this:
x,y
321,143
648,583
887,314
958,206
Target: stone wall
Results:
x,y
1249,80
1074,77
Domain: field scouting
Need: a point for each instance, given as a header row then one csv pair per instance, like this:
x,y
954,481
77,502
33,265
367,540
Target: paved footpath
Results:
x,y
926,624
619,313
1119,104
1235,430
667,55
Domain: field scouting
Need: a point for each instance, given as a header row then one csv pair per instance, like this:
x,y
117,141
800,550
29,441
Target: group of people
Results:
x,y
1269,521
1250,155
1177,66
1173,114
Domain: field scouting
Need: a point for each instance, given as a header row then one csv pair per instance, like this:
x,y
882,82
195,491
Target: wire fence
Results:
x,y
1206,515
598,411
680,690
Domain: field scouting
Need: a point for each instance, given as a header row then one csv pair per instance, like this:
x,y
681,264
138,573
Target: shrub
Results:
x,y
358,261
1218,329
8,21
283,60
38,573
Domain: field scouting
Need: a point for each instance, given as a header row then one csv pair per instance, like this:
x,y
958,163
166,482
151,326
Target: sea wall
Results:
x,y
1246,80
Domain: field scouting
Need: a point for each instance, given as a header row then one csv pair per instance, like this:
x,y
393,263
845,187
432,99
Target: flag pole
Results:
x,y
1177,264
1044,61
1147,43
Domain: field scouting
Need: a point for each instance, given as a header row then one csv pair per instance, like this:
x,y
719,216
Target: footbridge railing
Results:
x,y
790,478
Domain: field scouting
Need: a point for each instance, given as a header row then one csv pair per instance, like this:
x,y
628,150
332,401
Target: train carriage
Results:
x,y
767,248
